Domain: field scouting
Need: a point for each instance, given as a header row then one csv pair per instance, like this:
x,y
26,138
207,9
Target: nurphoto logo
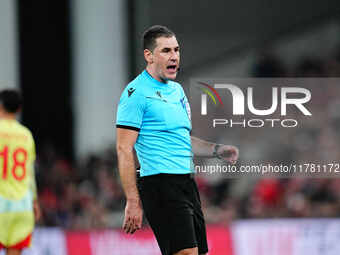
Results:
x,y
289,97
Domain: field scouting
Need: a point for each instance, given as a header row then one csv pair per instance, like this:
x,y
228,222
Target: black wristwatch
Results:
x,y
215,154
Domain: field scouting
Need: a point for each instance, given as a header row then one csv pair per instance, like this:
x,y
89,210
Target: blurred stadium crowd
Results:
x,y
89,195
79,197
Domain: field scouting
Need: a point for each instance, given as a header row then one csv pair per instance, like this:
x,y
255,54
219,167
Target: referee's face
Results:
x,y
165,58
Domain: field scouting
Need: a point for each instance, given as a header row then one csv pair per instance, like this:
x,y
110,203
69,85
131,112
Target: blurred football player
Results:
x,y
19,208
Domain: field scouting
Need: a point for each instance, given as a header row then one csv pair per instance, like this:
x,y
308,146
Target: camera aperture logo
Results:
x,y
289,96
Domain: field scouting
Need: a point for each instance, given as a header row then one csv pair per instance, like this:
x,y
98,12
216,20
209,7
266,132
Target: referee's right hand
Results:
x,y
133,216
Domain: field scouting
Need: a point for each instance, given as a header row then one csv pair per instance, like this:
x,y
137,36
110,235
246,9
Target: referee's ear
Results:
x,y
148,56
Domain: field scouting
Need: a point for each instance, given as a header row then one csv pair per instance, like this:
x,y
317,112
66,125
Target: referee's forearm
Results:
x,y
127,173
201,147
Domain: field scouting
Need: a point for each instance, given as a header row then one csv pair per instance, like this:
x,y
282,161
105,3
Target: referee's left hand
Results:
x,y
228,153
133,217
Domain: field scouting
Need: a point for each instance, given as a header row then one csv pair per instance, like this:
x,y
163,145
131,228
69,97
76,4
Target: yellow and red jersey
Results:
x,y
17,182
17,156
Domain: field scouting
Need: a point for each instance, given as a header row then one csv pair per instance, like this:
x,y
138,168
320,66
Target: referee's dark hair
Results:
x,y
11,100
152,33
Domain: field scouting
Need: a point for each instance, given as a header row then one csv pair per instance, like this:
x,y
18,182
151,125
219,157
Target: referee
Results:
x,y
154,119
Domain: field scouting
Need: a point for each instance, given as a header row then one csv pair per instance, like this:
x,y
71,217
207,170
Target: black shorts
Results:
x,y
172,207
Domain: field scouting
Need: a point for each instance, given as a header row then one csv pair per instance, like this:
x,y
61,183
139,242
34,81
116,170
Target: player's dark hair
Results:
x,y
152,33
11,100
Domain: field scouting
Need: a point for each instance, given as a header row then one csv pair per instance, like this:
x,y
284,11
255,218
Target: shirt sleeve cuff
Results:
x,y
128,127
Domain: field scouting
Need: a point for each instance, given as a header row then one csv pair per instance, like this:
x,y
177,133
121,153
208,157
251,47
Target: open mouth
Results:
x,y
172,68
